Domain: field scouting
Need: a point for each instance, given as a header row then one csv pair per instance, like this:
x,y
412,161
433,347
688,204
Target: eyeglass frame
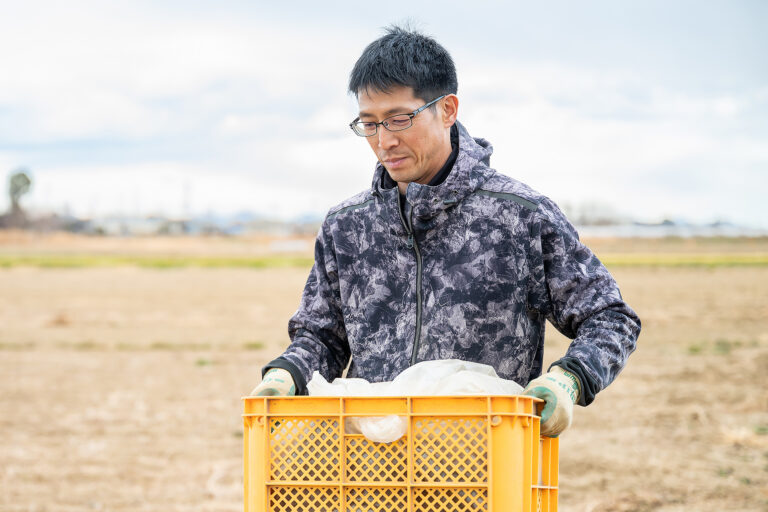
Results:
x,y
383,122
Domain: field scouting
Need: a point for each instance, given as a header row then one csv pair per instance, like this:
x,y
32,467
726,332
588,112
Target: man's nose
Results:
x,y
387,139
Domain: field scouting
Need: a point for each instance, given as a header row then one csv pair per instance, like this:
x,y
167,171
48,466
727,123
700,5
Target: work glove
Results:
x,y
559,389
276,382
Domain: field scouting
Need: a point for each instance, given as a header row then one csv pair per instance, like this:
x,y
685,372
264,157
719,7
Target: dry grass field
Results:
x,y
120,383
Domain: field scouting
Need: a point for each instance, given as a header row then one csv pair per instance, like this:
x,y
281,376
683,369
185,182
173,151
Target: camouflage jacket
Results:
x,y
471,269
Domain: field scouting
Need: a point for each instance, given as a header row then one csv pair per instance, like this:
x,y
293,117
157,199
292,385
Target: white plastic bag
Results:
x,y
428,378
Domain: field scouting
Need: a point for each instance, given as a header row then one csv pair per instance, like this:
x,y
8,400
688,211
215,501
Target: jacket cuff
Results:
x,y
298,378
589,387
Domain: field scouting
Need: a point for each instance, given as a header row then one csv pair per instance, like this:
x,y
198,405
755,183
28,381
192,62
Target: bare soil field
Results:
x,y
120,386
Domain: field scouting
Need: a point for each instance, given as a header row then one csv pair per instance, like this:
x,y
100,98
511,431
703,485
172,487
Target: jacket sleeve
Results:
x,y
317,332
581,299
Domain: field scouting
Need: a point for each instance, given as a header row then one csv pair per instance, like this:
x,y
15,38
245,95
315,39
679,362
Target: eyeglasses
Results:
x,y
394,123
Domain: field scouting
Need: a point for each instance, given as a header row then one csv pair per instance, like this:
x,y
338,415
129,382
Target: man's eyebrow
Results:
x,y
390,112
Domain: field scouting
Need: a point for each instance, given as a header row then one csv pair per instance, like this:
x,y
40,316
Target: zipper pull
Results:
x,y
409,243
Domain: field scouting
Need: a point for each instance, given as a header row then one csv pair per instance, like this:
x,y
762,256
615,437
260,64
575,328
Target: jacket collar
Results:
x,y
469,172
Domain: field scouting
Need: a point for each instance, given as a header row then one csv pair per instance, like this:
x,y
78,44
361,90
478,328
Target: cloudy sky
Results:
x,y
650,109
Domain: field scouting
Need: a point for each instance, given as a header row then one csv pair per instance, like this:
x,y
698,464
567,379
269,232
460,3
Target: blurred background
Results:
x,y
165,167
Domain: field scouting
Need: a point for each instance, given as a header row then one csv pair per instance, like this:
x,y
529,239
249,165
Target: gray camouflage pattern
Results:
x,y
498,260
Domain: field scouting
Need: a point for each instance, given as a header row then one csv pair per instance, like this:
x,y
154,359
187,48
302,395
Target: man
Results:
x,y
445,258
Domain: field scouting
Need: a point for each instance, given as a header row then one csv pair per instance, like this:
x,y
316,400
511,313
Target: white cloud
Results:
x,y
95,72
671,157
248,113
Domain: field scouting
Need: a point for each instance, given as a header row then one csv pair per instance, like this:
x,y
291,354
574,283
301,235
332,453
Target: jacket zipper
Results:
x,y
412,244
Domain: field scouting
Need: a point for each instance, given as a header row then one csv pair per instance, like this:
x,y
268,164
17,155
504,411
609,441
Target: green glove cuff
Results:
x,y
574,390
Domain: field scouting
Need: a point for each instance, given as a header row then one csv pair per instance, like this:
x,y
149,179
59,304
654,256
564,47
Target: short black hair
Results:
x,y
405,57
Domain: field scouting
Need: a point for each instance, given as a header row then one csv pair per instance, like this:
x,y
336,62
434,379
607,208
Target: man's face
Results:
x,y
417,153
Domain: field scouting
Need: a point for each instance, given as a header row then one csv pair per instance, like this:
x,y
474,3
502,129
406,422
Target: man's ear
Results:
x,y
450,110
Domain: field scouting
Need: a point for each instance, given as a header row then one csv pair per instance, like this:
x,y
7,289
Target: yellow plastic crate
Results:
x,y
462,454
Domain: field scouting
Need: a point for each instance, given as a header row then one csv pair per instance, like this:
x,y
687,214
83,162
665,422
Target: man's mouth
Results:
x,y
394,163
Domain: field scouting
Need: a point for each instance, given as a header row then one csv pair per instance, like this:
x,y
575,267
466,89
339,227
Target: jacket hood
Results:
x,y
479,148
469,172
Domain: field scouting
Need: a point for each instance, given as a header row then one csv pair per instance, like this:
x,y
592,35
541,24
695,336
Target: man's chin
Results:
x,y
400,175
